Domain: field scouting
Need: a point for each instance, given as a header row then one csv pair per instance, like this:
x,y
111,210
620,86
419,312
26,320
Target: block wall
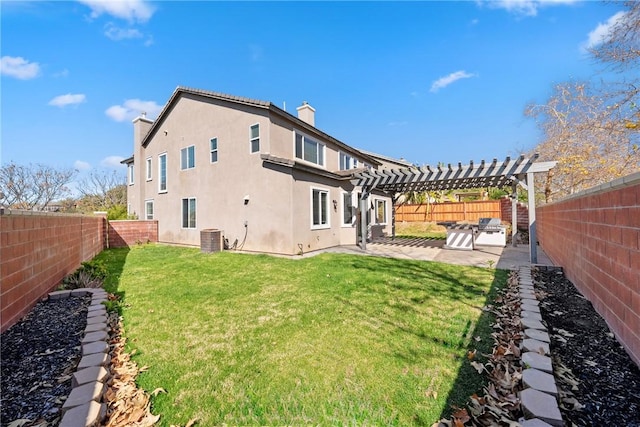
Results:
x,y
522,212
36,251
595,237
130,233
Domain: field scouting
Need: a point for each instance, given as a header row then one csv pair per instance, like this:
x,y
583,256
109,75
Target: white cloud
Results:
x,y
68,99
132,109
116,33
445,81
19,67
601,33
63,73
81,165
522,7
131,10
112,162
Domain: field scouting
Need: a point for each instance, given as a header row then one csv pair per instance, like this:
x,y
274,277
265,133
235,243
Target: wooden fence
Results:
x,y
436,212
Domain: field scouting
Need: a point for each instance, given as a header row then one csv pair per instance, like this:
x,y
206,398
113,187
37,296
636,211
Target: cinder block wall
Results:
x,y
130,233
595,236
36,251
522,212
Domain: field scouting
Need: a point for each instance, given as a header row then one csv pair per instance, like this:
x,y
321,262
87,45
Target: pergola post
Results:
x,y
363,220
533,250
514,213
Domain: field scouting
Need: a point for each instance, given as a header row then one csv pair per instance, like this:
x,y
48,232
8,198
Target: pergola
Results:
x,y
510,173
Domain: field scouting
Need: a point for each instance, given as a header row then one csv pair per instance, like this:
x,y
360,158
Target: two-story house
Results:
x,y
272,182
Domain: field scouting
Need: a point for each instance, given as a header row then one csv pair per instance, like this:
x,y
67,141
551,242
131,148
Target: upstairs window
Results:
x,y
130,174
254,138
347,162
214,150
149,169
188,158
309,150
162,173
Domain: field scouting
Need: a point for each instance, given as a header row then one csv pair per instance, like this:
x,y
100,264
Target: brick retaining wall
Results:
x,y
36,251
129,233
595,236
522,212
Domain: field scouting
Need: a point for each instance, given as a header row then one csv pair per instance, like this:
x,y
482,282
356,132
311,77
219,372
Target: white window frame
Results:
x,y
321,149
195,211
212,151
188,158
320,225
146,209
149,171
166,176
130,174
252,138
375,213
347,161
344,206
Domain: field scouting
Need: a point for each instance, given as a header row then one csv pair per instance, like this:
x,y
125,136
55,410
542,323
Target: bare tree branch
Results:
x,y
33,186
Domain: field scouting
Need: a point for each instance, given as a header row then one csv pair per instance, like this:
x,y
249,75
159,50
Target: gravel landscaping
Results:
x,y
39,355
600,384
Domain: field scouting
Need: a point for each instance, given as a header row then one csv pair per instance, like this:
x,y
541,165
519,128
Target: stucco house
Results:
x,y
271,181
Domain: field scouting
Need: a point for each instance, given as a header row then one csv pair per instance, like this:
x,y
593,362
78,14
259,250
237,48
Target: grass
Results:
x,y
330,340
429,230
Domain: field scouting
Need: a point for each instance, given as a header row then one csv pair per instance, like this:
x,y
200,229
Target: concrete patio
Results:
x,y
507,258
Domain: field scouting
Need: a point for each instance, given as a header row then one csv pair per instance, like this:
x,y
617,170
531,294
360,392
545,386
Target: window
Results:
x,y
162,173
348,209
319,208
214,150
148,209
130,174
149,169
309,150
188,158
347,162
254,138
189,213
381,211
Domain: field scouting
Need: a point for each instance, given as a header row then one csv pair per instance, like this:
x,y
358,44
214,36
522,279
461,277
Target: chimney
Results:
x,y
306,113
141,126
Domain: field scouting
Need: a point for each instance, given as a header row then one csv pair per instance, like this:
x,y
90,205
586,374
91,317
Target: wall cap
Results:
x,y
616,184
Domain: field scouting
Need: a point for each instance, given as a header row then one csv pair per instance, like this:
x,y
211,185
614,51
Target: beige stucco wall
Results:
x,y
278,214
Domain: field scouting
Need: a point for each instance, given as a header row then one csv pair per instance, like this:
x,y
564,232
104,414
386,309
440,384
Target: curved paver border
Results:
x,y
84,406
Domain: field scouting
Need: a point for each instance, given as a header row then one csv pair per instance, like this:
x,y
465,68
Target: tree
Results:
x,y
33,186
102,190
586,136
591,128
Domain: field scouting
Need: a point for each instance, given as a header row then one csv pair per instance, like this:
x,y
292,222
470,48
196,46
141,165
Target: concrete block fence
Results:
x,y
595,236
37,249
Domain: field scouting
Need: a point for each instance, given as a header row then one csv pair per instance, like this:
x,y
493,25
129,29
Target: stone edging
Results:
x,y
539,396
84,407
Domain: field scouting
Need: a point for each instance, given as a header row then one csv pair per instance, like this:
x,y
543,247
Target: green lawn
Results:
x,y
330,340
429,230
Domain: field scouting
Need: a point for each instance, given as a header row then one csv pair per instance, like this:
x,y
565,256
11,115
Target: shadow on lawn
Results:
x,y
468,381
114,260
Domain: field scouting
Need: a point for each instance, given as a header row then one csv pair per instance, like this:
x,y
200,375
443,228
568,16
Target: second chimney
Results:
x,y
307,113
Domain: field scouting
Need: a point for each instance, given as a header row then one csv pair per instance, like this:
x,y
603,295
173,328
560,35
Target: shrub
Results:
x,y
91,274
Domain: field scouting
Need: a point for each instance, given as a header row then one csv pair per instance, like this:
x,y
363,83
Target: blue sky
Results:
x,y
426,81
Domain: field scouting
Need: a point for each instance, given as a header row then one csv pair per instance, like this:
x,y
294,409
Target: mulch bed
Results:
x,y
39,355
599,383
